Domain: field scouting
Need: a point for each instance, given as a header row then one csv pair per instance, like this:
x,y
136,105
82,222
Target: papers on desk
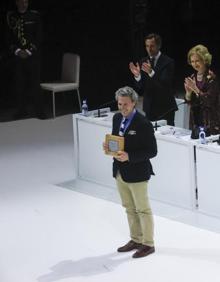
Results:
x,y
182,132
174,131
185,134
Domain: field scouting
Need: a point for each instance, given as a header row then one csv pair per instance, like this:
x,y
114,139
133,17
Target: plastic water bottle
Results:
x,y
202,135
84,108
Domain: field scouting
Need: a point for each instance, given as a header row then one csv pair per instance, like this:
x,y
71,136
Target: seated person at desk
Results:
x,y
202,92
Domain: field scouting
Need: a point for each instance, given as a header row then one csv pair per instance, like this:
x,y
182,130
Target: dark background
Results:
x,y
109,34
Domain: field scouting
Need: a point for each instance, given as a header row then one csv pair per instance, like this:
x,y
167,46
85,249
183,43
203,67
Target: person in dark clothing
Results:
x,y
153,78
23,43
132,169
202,92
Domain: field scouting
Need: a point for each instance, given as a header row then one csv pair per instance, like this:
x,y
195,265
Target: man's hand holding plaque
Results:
x,y
113,144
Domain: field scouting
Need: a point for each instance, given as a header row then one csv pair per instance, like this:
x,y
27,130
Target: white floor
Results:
x,y
55,229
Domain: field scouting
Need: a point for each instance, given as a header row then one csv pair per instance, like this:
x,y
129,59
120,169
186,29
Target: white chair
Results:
x,y
69,78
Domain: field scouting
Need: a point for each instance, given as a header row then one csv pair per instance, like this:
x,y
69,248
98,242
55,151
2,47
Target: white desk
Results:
x,y
182,166
91,162
208,180
174,165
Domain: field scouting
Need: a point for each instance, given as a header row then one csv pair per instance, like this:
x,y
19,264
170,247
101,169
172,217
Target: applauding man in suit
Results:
x,y
154,79
132,170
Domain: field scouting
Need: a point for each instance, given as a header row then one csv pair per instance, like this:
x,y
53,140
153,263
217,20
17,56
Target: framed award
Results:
x,y
114,144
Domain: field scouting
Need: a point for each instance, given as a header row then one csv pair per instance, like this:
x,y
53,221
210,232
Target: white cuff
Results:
x,y
151,74
138,78
29,52
16,51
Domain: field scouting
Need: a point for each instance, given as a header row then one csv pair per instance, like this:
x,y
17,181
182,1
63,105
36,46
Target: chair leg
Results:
x,y
54,113
80,104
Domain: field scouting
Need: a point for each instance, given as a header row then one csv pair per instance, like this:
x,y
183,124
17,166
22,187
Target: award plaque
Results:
x,y
114,144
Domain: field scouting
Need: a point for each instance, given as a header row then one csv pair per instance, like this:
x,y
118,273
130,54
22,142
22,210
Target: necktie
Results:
x,y
123,126
152,62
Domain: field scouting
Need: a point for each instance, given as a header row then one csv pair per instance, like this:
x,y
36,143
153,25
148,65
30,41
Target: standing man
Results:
x,y
154,76
132,170
24,39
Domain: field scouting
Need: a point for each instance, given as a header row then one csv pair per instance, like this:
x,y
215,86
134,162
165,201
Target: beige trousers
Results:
x,y
135,200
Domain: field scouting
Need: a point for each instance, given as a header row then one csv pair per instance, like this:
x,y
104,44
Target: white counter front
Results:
x,y
208,178
174,165
92,164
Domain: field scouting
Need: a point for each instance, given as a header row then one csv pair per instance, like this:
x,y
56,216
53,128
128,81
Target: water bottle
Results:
x,y
202,135
84,108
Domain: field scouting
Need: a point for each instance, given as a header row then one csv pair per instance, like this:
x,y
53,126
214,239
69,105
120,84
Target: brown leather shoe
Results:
x,y
143,251
131,245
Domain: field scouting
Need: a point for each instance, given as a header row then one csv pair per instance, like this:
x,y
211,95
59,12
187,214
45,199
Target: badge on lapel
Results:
x,y
131,132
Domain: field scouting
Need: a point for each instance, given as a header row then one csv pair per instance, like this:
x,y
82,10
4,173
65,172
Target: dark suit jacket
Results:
x,y
140,144
158,91
24,31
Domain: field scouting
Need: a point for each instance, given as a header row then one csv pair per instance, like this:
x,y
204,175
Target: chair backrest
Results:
x,y
70,68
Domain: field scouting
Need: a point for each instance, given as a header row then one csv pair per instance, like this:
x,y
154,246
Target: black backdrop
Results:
x,y
108,34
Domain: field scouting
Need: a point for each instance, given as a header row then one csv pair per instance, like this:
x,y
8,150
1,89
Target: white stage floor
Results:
x,y
52,233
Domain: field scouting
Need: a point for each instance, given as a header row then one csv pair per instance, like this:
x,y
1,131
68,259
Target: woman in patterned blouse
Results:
x,y
202,91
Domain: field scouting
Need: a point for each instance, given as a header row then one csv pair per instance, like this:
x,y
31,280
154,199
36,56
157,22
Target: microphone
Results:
x,y
216,140
167,112
99,113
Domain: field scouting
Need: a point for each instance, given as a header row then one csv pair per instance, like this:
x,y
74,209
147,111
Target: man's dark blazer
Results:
x,y
140,144
158,91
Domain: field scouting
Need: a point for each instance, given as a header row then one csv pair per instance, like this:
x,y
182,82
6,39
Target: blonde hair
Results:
x,y
201,51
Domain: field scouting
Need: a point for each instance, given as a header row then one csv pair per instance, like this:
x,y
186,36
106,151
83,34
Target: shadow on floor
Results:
x,y
84,267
